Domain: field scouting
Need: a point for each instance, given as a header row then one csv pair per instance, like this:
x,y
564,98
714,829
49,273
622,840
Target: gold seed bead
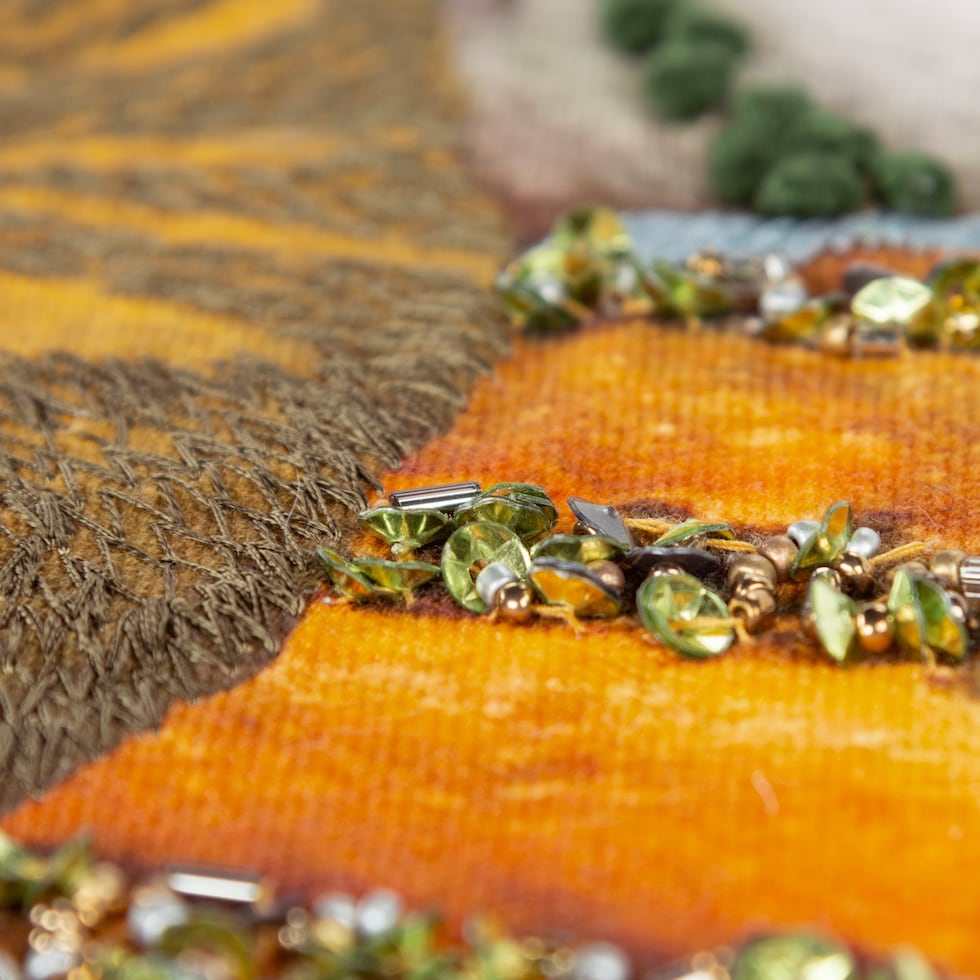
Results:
x,y
514,602
746,570
755,606
781,551
609,573
875,628
581,528
946,564
856,574
808,620
835,336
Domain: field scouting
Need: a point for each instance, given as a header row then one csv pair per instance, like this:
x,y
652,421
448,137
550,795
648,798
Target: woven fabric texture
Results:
x,y
592,782
240,272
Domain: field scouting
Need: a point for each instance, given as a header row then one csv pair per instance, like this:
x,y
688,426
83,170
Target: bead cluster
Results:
x,y
85,921
692,585
587,267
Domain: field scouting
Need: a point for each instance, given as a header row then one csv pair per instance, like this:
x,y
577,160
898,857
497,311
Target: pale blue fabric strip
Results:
x,y
674,235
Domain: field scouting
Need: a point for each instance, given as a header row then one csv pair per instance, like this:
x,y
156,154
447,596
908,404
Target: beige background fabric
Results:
x,y
560,117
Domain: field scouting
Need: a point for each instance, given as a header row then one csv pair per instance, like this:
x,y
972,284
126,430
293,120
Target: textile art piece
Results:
x,y
245,291
227,298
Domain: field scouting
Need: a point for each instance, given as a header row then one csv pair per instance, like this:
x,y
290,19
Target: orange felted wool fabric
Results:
x,y
591,781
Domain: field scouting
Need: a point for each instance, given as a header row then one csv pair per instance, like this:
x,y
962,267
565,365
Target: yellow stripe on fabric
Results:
x,y
218,27
58,314
216,228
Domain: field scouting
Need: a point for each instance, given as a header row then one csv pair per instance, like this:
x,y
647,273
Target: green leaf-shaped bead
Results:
x,y
827,543
347,579
691,295
474,546
903,604
685,615
395,576
793,957
581,548
601,229
946,635
925,623
834,619
692,529
568,583
406,530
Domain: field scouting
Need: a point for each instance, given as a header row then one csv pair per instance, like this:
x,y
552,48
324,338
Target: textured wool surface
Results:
x,y
240,272
595,782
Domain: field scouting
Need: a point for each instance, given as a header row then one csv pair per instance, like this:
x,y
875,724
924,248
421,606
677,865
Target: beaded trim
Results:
x,y
696,586
66,915
588,267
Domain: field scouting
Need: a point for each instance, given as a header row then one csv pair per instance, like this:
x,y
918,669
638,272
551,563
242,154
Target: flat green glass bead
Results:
x,y
692,529
804,325
526,519
395,576
534,493
406,530
686,294
347,580
834,614
471,548
894,299
218,933
581,548
793,957
568,583
541,304
523,507
685,615
924,619
827,543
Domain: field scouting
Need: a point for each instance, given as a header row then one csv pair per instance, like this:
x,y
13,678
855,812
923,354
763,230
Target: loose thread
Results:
x,y
911,550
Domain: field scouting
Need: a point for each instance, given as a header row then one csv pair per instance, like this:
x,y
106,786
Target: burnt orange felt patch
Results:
x,y
596,782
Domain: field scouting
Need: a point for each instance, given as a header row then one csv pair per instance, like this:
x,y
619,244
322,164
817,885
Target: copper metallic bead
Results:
x,y
582,528
755,606
856,573
875,628
747,570
514,602
831,574
781,551
609,573
946,564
